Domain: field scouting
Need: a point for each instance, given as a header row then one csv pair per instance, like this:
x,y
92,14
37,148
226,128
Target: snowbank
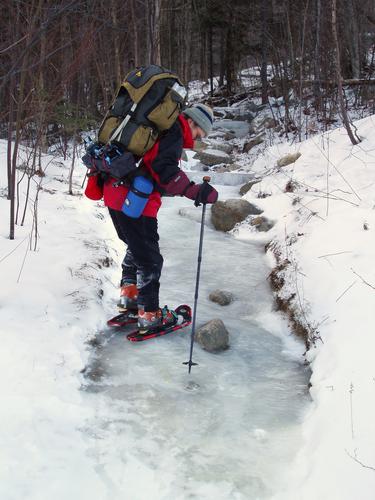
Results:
x,y
50,304
324,205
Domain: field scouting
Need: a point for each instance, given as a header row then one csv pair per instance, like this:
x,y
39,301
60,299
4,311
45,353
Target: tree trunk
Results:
x,y
338,75
353,40
135,35
317,54
264,52
10,132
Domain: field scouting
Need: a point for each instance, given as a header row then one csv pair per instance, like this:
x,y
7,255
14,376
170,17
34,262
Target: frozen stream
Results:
x,y
227,431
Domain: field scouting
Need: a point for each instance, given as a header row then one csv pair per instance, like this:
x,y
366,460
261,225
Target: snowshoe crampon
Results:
x,y
184,319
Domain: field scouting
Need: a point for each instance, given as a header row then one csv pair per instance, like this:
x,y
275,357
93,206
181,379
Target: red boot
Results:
x,y
128,297
148,321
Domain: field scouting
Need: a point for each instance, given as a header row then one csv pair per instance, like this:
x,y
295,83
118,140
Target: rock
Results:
x,y
217,134
221,297
262,120
255,108
261,223
219,146
229,135
227,168
213,336
246,187
288,159
212,157
226,214
253,142
267,123
200,146
184,156
199,167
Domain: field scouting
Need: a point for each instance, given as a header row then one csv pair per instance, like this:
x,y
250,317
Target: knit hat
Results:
x,y
202,115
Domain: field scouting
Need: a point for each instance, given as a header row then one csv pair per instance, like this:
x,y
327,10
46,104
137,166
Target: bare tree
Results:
x,y
340,91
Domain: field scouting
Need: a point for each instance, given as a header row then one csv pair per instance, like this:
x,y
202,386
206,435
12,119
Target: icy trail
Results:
x,y
229,429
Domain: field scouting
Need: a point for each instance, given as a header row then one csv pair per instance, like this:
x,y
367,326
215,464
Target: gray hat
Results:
x,y
202,115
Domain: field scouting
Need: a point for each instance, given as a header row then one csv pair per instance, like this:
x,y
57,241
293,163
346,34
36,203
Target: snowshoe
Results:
x,y
125,318
181,318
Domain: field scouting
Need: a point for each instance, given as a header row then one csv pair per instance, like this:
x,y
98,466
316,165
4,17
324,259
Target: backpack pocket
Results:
x,y
141,140
107,128
165,114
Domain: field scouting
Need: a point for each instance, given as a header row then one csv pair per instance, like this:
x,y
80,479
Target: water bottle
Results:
x,y
137,197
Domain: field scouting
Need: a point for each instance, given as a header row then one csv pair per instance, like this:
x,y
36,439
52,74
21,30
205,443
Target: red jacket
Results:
x,y
161,161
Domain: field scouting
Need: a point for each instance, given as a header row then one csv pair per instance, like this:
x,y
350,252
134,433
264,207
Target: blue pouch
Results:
x,y
137,197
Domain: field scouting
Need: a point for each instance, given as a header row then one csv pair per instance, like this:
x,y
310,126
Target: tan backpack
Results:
x,y
147,104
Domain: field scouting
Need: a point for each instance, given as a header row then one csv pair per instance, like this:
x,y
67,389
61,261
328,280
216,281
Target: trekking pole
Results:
x,y
190,362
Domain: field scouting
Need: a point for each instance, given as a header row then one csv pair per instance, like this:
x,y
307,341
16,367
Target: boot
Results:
x,y
128,298
155,319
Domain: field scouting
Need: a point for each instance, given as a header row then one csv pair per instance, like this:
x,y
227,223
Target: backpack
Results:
x,y
147,103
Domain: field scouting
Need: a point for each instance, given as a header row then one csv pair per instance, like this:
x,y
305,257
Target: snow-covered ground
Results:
x,y
135,425
324,236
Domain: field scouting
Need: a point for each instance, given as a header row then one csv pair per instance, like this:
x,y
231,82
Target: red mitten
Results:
x,y
94,190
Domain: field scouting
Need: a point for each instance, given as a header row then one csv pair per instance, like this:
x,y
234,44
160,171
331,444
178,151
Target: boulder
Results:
x,y
246,187
213,336
226,214
212,157
221,297
253,142
288,159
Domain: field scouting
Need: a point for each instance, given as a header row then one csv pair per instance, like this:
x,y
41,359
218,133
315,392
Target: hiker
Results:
x,y
142,265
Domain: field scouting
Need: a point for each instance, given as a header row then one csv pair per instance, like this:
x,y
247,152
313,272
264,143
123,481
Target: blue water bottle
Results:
x,y
137,197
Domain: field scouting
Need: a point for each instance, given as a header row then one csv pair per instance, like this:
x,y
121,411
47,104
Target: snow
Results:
x,y
325,230
135,425
66,436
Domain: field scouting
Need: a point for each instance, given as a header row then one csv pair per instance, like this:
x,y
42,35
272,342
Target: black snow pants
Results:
x,y
143,261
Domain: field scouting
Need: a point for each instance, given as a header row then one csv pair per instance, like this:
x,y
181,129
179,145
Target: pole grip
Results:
x,y
206,178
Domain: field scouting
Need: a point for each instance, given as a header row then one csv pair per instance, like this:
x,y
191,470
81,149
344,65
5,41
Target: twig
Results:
x,y
351,390
358,461
364,281
337,170
344,292
23,261
332,254
327,179
14,249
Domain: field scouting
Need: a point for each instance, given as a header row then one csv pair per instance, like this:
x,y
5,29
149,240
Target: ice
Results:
x,y
239,128
229,429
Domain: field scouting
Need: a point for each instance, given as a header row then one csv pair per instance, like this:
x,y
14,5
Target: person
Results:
x,y
143,262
